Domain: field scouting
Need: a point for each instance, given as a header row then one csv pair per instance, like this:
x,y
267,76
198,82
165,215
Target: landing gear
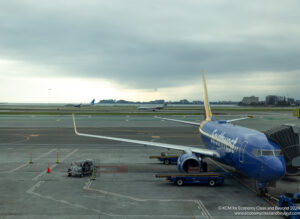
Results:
x,y
262,189
263,192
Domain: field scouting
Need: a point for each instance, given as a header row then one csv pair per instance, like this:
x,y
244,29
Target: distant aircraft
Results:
x,y
82,105
152,108
247,150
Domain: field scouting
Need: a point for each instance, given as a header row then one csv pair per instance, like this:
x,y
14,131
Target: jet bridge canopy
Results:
x,y
288,138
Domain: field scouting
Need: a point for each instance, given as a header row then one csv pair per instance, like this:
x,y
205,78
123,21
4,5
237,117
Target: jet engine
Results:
x,y
288,139
189,163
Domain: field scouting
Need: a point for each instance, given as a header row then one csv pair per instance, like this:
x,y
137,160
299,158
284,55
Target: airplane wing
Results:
x,y
238,119
181,121
201,151
198,123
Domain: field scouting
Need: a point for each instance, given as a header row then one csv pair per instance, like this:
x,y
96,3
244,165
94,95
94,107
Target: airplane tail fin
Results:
x,y
207,112
93,102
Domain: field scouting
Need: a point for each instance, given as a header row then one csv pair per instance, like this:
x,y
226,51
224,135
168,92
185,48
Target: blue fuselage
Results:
x,y
248,150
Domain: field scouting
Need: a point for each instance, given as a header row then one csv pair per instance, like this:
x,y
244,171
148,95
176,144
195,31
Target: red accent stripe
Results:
x,y
112,169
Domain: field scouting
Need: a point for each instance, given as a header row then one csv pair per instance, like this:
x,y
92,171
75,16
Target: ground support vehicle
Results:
x,y
208,178
289,204
166,158
81,168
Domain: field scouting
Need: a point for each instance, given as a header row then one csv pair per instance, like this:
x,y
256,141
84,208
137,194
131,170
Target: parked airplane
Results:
x,y
152,108
248,150
81,105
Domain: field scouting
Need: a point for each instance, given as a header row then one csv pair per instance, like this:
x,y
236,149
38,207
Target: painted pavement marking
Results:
x,y
25,164
54,165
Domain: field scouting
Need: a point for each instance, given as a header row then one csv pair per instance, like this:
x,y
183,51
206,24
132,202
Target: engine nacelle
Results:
x,y
188,163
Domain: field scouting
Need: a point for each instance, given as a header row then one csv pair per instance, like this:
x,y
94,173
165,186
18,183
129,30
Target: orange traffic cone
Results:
x,y
48,169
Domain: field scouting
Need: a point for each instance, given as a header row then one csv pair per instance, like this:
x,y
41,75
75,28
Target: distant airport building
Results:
x,y
291,101
279,100
197,102
274,99
250,100
184,101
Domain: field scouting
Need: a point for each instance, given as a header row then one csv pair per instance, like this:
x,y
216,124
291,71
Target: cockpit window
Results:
x,y
267,153
258,152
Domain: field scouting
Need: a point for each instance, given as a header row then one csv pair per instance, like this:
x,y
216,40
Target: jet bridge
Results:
x,y
288,138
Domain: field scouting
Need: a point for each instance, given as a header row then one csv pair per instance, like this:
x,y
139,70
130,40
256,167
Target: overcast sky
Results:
x,y
74,51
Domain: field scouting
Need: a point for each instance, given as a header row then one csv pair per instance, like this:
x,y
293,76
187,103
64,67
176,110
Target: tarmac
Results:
x,y
125,185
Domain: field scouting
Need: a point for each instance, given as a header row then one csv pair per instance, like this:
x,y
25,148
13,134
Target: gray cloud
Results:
x,y
152,44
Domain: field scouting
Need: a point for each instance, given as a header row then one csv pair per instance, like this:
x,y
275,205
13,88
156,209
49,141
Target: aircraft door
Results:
x,y
242,151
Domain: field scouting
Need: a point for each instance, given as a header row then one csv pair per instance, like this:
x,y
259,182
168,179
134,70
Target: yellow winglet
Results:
x,y
207,111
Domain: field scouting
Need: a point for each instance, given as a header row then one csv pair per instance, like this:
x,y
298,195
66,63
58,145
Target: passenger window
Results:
x,y
278,152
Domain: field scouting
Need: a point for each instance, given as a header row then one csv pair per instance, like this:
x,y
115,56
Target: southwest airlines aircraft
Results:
x,y
247,150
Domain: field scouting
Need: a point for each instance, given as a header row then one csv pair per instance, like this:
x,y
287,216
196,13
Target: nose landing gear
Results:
x,y
263,192
262,189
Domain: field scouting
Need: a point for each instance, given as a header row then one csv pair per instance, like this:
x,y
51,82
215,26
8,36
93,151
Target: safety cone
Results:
x,y
48,169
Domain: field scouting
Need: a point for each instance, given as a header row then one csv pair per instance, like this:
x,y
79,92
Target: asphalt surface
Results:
x,y
125,186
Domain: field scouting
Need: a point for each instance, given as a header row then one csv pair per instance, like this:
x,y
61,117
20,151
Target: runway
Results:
x,y
125,186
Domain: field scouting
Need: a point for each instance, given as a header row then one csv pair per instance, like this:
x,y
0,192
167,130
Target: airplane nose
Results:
x,y
274,169
279,168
